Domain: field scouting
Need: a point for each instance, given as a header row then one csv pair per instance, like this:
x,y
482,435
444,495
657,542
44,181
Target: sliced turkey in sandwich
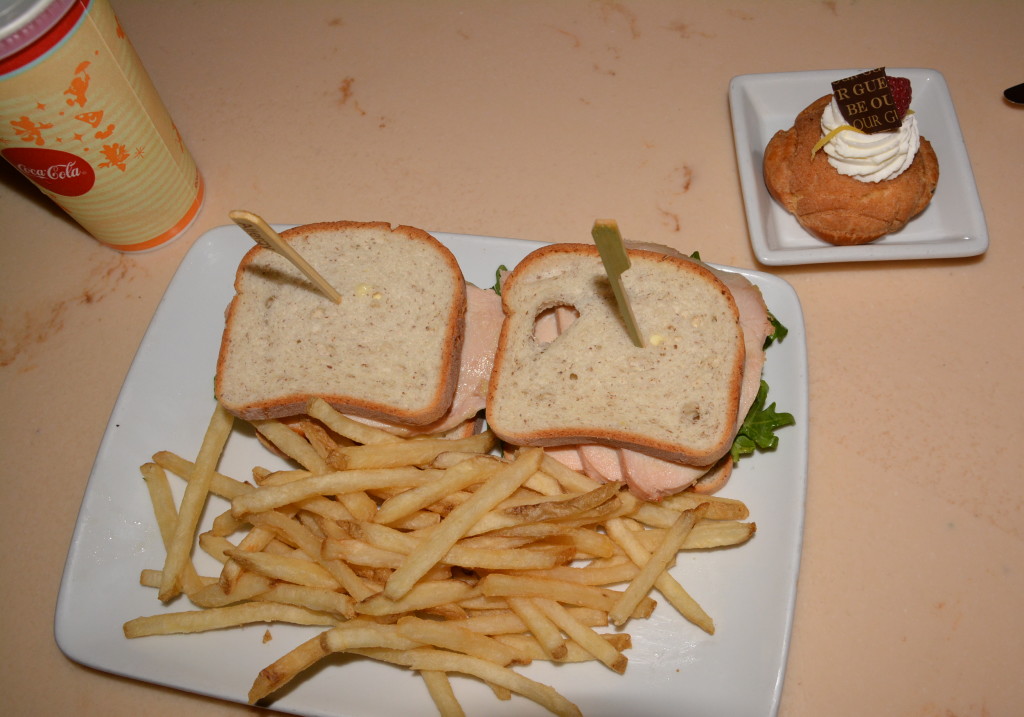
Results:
x,y
660,418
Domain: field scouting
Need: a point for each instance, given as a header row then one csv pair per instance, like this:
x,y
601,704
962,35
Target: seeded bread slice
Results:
x,y
389,351
677,398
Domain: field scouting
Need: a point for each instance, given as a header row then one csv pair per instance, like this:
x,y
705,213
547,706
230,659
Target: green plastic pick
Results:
x,y
616,261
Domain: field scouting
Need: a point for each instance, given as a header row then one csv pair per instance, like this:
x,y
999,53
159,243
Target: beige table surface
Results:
x,y
529,120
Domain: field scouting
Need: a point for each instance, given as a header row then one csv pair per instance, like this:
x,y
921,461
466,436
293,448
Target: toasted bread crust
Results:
x,y
270,401
533,398
835,208
716,477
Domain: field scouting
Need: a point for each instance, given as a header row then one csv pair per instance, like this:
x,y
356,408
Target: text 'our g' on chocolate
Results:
x,y
865,101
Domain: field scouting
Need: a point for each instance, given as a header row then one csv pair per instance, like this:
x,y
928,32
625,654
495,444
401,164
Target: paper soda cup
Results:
x,y
81,119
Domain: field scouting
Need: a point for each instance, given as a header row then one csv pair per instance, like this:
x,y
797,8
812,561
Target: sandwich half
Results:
x,y
568,377
390,351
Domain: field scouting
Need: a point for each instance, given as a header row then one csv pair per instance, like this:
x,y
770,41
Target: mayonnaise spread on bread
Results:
x,y
869,157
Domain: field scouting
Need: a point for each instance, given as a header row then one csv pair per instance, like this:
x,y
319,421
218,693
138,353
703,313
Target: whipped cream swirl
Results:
x,y
869,157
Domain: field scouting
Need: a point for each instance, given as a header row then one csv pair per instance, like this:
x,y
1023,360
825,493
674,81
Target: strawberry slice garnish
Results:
x,y
901,94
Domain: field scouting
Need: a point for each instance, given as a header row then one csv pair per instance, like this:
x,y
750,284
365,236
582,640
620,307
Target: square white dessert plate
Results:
x,y
165,404
952,226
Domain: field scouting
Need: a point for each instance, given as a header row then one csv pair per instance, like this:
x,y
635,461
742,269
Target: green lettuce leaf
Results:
x,y
778,334
759,426
497,278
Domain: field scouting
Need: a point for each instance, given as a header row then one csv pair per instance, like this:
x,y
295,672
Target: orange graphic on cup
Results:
x,y
79,86
30,131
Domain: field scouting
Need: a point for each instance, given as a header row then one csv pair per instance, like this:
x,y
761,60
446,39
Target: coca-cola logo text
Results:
x,y
59,172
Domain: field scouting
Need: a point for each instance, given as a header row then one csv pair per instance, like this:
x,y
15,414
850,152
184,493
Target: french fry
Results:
x,y
328,527
463,553
498,487
219,618
284,669
335,483
222,485
719,508
537,557
456,478
319,437
567,477
281,567
167,518
359,504
656,516
325,507
262,476
446,505
481,604
546,633
564,506
620,572
382,536
450,459
226,524
544,484
449,636
587,541
573,481
347,578
500,584
255,540
420,520
289,528
420,452
502,693
365,633
291,444
248,587
496,542
524,496
440,689
193,501
361,553
656,564
592,517
276,546
669,586
424,658
584,636
507,622
706,535
449,612
344,426
319,599
310,522
150,578
215,546
423,595
528,646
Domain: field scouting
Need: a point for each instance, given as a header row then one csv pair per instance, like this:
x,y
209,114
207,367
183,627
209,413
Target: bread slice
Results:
x,y
677,398
389,351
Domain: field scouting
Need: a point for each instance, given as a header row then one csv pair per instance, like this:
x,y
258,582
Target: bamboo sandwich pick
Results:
x,y
616,261
262,234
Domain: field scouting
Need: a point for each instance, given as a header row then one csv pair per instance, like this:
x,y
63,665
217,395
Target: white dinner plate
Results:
x,y
953,225
165,404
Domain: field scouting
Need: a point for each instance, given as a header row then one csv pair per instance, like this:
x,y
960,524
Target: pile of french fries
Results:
x,y
430,553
